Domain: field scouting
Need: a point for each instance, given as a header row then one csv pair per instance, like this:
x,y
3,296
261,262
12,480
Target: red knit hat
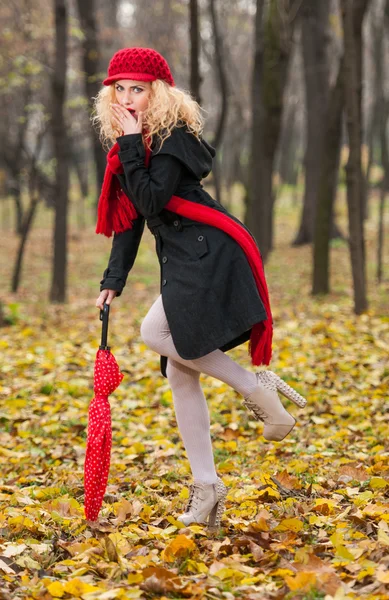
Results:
x,y
141,64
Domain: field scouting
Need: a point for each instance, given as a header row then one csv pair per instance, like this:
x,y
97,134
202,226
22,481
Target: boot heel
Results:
x,y
216,514
206,504
289,392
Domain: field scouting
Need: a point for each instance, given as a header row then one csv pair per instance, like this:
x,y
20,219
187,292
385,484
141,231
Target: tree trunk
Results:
x,y
327,186
384,142
15,191
25,230
353,12
91,67
254,206
288,160
315,16
80,167
272,53
223,86
194,32
58,89
288,146
374,140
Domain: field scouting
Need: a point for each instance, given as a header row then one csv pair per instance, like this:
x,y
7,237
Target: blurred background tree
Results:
x,y
288,86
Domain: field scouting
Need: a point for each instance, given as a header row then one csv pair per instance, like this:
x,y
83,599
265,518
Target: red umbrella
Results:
x,y
107,377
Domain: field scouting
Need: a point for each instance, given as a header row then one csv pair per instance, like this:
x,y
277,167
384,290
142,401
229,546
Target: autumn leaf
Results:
x,y
180,547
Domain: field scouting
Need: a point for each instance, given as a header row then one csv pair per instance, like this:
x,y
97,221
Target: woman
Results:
x,y
213,293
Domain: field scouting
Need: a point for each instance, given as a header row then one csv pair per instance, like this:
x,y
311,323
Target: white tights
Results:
x,y
189,402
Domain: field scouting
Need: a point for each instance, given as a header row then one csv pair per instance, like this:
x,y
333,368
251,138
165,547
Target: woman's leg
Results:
x,y
193,420
156,334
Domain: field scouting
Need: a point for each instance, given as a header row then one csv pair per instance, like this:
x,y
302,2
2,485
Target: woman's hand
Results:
x,y
125,121
105,296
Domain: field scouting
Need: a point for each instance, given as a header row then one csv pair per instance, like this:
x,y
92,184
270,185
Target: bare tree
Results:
x,y
223,87
194,33
61,153
11,154
384,143
91,67
353,12
273,40
37,184
327,186
288,159
314,21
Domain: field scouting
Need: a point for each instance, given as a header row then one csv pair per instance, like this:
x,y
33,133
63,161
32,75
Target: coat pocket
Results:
x,y
197,244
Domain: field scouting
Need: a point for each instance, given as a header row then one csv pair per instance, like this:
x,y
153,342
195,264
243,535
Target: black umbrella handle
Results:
x,y
104,314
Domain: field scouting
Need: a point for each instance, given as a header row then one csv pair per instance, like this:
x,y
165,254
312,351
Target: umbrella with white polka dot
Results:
x,y
107,377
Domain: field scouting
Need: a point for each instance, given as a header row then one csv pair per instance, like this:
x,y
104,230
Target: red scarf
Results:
x,y
116,212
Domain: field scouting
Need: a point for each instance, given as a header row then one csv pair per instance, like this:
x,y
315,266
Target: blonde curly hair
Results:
x,y
168,107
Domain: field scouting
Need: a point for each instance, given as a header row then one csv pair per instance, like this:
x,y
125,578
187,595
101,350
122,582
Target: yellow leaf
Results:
x,y
378,483
198,529
231,445
320,521
227,573
180,547
324,506
383,537
250,580
281,572
134,578
383,576
184,494
138,448
365,572
298,466
336,538
260,525
303,581
196,567
76,587
362,497
344,553
226,466
56,589
27,331
289,525
269,494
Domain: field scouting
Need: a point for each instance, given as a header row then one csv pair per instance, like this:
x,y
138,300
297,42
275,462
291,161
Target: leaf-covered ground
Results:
x,y
305,518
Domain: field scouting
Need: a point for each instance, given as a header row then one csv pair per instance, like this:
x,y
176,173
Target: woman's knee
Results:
x,y
148,332
181,377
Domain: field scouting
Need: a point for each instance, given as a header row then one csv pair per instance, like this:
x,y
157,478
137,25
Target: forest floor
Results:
x,y
305,518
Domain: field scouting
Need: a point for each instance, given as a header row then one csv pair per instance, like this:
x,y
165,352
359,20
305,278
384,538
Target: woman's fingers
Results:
x,y
104,294
111,296
124,120
120,111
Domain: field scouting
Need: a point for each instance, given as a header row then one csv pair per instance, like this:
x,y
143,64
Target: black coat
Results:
x,y
208,290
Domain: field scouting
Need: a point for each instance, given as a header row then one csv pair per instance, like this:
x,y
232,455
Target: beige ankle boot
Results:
x,y
266,405
205,500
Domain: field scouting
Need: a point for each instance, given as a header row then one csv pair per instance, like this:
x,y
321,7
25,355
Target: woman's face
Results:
x,y
133,95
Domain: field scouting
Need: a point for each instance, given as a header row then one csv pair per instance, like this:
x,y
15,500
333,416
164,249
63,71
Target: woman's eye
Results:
x,y
138,88
119,88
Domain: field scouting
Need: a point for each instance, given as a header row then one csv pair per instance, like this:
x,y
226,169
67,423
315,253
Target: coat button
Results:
x,y
164,260
200,238
164,282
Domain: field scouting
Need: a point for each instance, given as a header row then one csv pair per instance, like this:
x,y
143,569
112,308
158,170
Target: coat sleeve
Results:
x,y
123,253
150,187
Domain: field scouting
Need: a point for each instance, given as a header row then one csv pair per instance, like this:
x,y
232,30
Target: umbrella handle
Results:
x,y
104,314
